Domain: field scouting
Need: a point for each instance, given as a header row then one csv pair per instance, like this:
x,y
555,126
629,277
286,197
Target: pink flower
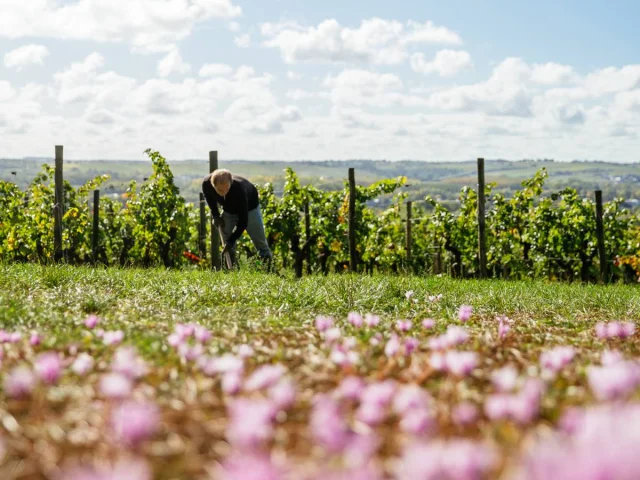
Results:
x,y
609,357
344,357
404,325
127,362
283,394
324,323
327,424
264,377
184,331
83,364
250,422
202,334
380,393
231,383
428,323
113,338
409,397
417,421
175,340
613,381
225,364
460,364
628,329
504,379
350,388
370,413
91,321
557,358
504,326
409,294
35,339
375,340
190,352
464,413
332,335
465,312
115,386
615,329
459,459
48,367
123,469
245,351
134,422
410,344
250,465
355,319
371,320
19,383
437,361
393,346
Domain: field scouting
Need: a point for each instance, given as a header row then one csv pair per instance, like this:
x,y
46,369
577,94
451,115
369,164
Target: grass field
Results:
x,y
270,372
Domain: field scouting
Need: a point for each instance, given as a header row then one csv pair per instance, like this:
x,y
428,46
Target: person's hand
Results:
x,y
218,222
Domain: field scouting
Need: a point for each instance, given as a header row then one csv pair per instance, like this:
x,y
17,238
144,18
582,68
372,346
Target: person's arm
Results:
x,y
209,195
243,218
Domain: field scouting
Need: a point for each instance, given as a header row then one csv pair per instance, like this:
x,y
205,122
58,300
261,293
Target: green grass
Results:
x,y
56,298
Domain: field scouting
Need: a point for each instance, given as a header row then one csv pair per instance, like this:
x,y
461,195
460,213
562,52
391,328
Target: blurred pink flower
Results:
x,y
465,312
250,422
202,334
615,329
134,422
410,345
35,339
327,424
332,335
417,421
190,352
380,393
264,376
20,382
370,413
609,357
115,386
127,362
393,346
505,379
460,364
231,383
404,325
410,396
48,367
113,338
83,364
371,320
91,321
464,413
283,393
504,326
123,469
614,381
250,465
245,351
409,294
350,388
324,323
458,459
557,358
355,319
428,323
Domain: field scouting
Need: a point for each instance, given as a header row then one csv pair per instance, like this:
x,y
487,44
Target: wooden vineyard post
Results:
x,y
215,236
600,235
408,234
482,248
307,234
203,228
58,207
353,260
96,224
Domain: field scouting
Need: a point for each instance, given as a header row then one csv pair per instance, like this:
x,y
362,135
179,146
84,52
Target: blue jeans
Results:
x,y
255,229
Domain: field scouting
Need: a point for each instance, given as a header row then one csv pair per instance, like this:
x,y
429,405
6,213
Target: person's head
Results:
x,y
221,181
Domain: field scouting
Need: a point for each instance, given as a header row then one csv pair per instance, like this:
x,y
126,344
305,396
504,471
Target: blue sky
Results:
x,y
377,79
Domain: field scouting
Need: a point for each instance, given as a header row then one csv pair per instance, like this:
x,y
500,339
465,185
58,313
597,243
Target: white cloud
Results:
x,y
553,74
293,76
26,55
446,63
376,41
147,26
172,63
243,41
215,70
234,26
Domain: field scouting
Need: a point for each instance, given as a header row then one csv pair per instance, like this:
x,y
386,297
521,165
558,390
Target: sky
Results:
x,y
301,80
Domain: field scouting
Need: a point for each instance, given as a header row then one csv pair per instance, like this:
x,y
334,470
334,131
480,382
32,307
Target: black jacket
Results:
x,y
241,198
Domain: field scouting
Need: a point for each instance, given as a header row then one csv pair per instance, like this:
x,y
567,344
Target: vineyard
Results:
x,y
532,234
